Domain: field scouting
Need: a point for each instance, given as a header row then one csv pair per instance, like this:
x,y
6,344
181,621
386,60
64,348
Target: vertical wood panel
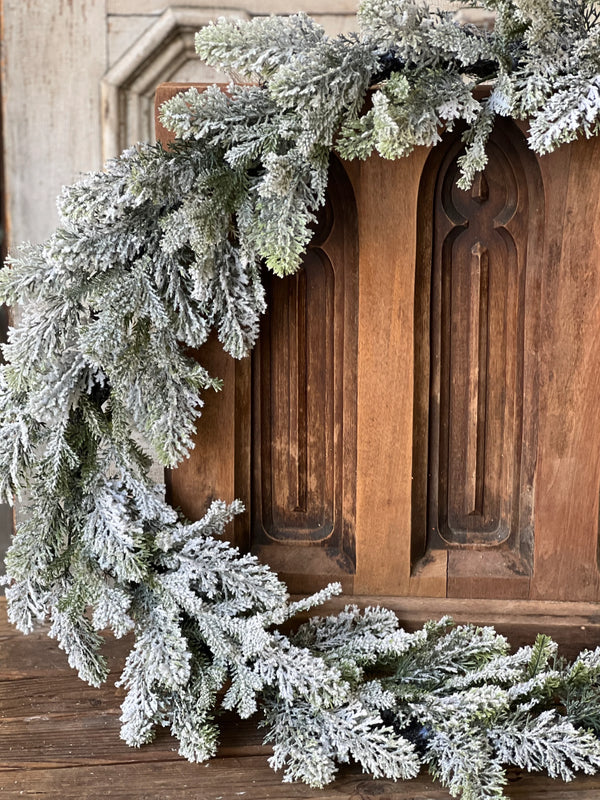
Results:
x,y
304,406
568,481
387,194
210,471
477,317
54,56
477,263
294,488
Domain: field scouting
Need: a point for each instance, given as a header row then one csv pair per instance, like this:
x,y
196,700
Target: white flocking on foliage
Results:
x,y
167,245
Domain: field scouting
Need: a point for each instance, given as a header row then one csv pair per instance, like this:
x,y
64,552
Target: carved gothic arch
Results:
x,y
477,317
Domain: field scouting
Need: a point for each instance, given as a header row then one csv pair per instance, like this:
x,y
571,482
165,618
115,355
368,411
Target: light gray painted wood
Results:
x,y
123,31
153,49
164,51
312,7
54,57
252,6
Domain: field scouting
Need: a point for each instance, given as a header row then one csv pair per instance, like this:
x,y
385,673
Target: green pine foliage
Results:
x,y
167,245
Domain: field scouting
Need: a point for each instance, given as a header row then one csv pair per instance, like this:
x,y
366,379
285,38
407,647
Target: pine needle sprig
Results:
x,y
166,246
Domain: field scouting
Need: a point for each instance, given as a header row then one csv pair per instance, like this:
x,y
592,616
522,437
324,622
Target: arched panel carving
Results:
x,y
297,368
476,331
304,402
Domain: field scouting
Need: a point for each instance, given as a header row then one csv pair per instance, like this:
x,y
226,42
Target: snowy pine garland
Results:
x,y
167,245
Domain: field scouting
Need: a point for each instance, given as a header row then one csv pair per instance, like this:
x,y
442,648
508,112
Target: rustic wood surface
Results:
x,y
568,471
444,505
303,409
59,738
475,420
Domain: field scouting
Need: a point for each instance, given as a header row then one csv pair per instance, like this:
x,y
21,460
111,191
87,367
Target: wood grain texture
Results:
x,y
304,406
386,196
59,738
568,474
210,471
53,59
296,473
477,311
479,251
477,387
249,779
383,315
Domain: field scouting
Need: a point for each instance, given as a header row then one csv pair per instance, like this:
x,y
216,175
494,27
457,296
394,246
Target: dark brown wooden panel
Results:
x,y
294,490
304,403
568,471
512,268
475,308
475,286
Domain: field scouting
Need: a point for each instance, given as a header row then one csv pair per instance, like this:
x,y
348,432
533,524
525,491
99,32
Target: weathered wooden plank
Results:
x,y
53,59
220,779
70,705
38,656
122,32
53,740
58,695
250,779
86,736
60,737
568,472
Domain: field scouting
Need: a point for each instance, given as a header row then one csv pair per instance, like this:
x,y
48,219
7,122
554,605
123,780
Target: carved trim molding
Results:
x,y
128,87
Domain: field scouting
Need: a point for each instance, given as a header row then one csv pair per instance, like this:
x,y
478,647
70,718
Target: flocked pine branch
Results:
x,y
167,245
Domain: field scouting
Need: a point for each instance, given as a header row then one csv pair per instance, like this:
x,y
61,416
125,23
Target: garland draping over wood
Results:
x,y
165,246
